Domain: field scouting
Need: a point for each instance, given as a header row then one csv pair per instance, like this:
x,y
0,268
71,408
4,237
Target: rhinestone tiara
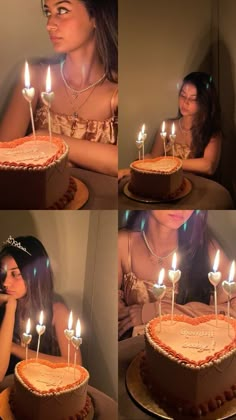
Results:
x,y
11,241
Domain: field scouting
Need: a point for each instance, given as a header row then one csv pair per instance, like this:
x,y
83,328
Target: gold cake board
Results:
x,y
6,413
80,198
139,392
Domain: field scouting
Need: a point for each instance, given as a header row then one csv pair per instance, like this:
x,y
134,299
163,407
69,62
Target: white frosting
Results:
x,y
167,164
30,152
44,378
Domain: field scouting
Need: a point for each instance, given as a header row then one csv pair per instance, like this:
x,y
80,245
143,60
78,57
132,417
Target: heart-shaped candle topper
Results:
x,y
214,278
69,334
159,290
174,275
229,287
47,98
26,338
76,341
28,93
40,329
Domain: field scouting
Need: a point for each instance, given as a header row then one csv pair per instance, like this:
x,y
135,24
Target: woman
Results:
x,y
26,290
197,128
84,80
147,245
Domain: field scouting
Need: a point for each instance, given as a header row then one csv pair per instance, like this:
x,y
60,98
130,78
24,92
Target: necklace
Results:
x,y
184,130
75,93
159,259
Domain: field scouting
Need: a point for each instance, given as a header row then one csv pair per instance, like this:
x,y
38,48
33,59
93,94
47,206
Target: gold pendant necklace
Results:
x,y
160,260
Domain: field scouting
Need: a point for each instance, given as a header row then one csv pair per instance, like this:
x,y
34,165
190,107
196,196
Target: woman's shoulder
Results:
x,y
126,235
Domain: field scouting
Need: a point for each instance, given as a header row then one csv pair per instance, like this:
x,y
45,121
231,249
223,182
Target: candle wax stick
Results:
x,y
215,298
49,124
75,362
26,352
68,362
172,303
32,120
37,354
160,313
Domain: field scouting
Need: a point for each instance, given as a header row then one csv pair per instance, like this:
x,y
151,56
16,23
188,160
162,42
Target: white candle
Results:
x,y
144,136
28,93
69,332
173,129
26,338
229,286
172,138
40,328
163,135
76,340
174,276
163,127
159,290
214,278
47,98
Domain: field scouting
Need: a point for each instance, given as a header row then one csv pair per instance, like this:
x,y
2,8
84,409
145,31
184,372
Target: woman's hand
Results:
x,y
129,317
8,299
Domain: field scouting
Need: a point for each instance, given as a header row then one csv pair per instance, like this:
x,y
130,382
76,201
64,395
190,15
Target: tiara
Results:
x,y
11,241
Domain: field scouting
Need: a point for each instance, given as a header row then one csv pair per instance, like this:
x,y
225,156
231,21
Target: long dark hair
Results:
x,y
105,13
36,272
207,120
193,240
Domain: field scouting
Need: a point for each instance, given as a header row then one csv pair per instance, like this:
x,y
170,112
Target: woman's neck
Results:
x,y
187,122
161,238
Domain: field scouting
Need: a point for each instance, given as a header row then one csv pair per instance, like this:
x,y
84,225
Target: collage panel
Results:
x,y
59,105
177,328
58,311
177,98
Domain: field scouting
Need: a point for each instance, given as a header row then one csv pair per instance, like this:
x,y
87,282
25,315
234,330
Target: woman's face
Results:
x,y
14,283
188,104
171,219
69,25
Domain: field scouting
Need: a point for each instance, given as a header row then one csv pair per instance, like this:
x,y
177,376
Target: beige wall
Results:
x,y
83,252
23,35
160,41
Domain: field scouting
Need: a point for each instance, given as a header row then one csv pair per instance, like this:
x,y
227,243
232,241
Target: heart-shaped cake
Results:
x,y
191,362
50,390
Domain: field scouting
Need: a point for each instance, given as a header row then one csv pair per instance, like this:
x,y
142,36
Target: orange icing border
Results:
x,y
134,165
14,143
192,321
20,366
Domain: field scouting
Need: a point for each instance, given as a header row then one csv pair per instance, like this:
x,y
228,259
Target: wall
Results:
x,y
160,41
83,253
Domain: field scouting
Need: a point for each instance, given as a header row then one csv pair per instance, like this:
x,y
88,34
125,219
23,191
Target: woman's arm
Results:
x,y
60,320
16,118
6,332
208,164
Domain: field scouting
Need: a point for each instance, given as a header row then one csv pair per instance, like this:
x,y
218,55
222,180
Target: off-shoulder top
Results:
x,y
77,127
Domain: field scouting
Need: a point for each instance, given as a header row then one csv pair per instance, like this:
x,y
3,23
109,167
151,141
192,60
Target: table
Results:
x,y
128,409
103,189
104,407
205,195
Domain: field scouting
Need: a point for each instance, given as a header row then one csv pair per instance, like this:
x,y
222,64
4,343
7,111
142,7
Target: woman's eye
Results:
x,y
15,274
62,11
46,13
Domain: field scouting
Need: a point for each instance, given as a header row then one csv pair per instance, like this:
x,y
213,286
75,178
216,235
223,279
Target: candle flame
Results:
x,y
78,328
48,80
143,129
28,327
163,127
161,276
216,261
70,321
27,75
41,318
140,135
173,129
174,261
232,272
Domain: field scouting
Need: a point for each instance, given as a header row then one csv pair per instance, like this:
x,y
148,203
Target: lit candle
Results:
x,y
76,340
139,143
69,332
47,98
159,290
26,338
174,276
172,138
229,286
163,135
144,136
214,278
28,93
40,328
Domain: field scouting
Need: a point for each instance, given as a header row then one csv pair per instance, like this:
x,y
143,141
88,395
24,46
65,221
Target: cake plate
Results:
x,y
80,198
6,413
185,191
140,393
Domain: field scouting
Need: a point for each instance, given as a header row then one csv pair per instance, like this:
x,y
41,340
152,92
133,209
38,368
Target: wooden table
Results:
x,y
205,195
103,189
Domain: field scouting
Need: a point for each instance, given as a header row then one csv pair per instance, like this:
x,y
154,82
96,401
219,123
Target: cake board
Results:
x,y
81,196
181,194
140,394
6,413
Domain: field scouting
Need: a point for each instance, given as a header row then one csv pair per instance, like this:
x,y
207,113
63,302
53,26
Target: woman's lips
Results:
x,y
176,217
